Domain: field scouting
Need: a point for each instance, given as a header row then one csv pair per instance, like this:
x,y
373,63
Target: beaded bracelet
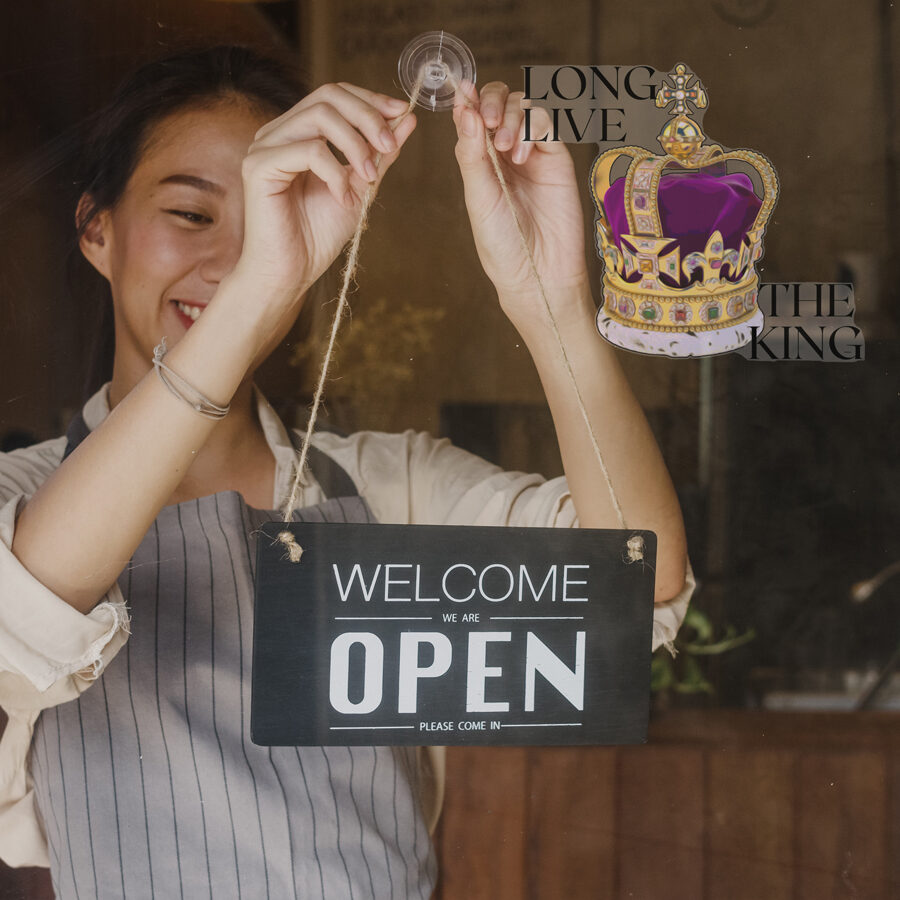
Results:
x,y
182,389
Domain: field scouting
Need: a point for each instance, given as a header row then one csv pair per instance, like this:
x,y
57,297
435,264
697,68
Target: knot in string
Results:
x,y
294,550
635,548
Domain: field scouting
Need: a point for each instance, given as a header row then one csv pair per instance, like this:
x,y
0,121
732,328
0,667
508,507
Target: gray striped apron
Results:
x,y
148,784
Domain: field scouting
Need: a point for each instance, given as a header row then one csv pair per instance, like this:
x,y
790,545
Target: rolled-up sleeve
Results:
x,y
43,639
49,653
668,616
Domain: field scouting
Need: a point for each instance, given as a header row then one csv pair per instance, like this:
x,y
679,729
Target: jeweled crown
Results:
x,y
679,233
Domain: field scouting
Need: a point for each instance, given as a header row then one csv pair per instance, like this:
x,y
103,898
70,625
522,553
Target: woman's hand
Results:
x,y
301,202
541,179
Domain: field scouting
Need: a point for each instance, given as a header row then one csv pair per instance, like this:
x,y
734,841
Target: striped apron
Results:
x,y
148,784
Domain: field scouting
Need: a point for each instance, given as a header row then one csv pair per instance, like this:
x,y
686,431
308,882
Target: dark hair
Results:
x,y
118,133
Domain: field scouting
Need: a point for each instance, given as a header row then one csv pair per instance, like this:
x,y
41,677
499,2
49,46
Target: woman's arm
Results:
x,y
79,530
632,458
300,204
541,177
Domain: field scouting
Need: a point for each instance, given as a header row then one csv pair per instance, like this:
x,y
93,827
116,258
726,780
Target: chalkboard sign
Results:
x,y
416,634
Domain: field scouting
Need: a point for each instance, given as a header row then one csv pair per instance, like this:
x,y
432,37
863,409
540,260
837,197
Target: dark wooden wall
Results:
x,y
721,805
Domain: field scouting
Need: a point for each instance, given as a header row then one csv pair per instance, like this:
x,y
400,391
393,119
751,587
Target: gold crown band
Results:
x,y
663,312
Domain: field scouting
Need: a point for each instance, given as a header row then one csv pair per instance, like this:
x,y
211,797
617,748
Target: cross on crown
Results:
x,y
681,91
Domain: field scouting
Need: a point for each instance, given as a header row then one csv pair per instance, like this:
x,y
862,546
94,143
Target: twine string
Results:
x,y
635,544
293,549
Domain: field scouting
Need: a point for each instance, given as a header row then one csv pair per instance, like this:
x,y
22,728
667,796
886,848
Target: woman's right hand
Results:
x,y
301,202
295,223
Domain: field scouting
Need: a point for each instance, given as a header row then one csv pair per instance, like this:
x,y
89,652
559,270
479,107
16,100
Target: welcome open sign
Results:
x,y
415,634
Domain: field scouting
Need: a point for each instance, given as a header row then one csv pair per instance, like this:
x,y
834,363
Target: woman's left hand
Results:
x,y
541,179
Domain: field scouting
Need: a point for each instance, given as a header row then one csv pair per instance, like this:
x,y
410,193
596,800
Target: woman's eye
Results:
x,y
194,218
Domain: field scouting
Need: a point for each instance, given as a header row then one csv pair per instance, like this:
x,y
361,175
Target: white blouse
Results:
x,y
50,652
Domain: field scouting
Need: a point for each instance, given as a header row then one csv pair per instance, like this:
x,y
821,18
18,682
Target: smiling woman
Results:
x,y
214,197
174,234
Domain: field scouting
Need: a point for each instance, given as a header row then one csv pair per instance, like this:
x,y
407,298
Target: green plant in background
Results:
x,y
683,673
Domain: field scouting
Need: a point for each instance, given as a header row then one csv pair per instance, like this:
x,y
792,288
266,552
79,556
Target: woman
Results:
x,y
147,784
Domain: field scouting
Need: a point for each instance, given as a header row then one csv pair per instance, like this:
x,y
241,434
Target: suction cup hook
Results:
x,y
441,60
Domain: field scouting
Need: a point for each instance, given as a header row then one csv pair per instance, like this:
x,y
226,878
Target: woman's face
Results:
x,y
177,230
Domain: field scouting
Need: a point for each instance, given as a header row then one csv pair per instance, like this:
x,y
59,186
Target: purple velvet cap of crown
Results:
x,y
691,206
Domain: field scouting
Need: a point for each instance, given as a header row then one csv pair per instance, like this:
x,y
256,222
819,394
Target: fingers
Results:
x,y
351,118
499,109
335,94
469,124
403,130
509,135
322,120
390,107
479,181
276,167
493,103
539,125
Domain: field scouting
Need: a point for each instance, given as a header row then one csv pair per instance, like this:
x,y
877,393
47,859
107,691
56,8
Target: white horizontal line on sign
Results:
x,y
368,727
540,618
543,725
382,618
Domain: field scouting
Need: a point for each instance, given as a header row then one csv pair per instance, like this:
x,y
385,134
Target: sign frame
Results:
x,y
415,618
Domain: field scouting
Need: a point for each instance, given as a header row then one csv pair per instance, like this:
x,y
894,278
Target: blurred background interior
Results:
x,y
788,472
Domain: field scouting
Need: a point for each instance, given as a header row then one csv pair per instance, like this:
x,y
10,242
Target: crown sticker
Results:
x,y
680,234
